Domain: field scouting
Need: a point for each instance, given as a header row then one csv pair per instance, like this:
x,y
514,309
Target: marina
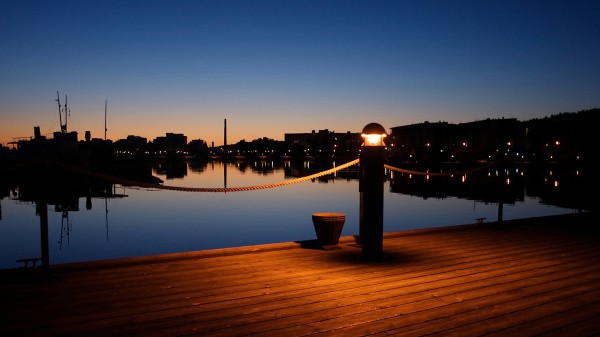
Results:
x,y
92,219
322,168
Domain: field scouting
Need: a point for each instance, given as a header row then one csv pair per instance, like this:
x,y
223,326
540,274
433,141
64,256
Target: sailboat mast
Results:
x,y
66,111
59,110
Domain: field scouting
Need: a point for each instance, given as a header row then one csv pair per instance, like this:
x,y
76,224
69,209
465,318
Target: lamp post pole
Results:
x,y
372,159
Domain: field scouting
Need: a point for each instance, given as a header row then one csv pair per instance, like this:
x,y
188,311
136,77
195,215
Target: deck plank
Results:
x,y
534,276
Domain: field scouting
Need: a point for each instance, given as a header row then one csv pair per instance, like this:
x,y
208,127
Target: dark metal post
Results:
x,y
500,209
42,209
43,212
372,159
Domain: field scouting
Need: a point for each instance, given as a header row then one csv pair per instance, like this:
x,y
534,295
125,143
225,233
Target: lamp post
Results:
x,y
372,159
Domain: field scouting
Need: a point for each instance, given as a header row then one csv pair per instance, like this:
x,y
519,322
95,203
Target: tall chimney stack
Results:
x,y
225,134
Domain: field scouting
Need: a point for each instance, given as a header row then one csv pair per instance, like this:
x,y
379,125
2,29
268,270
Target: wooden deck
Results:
x,y
529,277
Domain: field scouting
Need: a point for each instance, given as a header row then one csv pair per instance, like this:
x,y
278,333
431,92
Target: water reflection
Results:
x,y
558,185
149,222
44,186
563,186
173,169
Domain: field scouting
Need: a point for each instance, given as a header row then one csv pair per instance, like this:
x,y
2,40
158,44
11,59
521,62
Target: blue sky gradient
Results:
x,y
275,67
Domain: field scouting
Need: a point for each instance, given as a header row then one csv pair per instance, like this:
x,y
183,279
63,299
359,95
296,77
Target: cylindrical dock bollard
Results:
x,y
372,159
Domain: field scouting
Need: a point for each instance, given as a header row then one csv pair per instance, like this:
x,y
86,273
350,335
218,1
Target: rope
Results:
x,y
129,182
439,174
201,189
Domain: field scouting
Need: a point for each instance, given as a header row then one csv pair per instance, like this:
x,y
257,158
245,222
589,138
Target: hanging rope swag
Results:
x,y
247,188
204,189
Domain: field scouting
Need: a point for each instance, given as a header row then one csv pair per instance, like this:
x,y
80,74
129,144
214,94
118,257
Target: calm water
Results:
x,y
142,221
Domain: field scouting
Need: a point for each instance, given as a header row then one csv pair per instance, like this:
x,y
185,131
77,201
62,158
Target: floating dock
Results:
x,y
538,276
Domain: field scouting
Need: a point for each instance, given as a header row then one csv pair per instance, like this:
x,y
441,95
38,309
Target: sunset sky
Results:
x,y
285,66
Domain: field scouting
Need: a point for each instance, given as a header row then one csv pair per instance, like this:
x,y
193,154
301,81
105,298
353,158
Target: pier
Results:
x,y
527,277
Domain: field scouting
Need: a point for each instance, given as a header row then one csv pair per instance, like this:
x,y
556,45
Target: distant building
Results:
x,y
488,139
491,139
323,143
4,151
172,143
198,148
132,145
562,137
424,141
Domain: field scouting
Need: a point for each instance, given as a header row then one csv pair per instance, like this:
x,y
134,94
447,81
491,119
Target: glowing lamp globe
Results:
x,y
373,134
